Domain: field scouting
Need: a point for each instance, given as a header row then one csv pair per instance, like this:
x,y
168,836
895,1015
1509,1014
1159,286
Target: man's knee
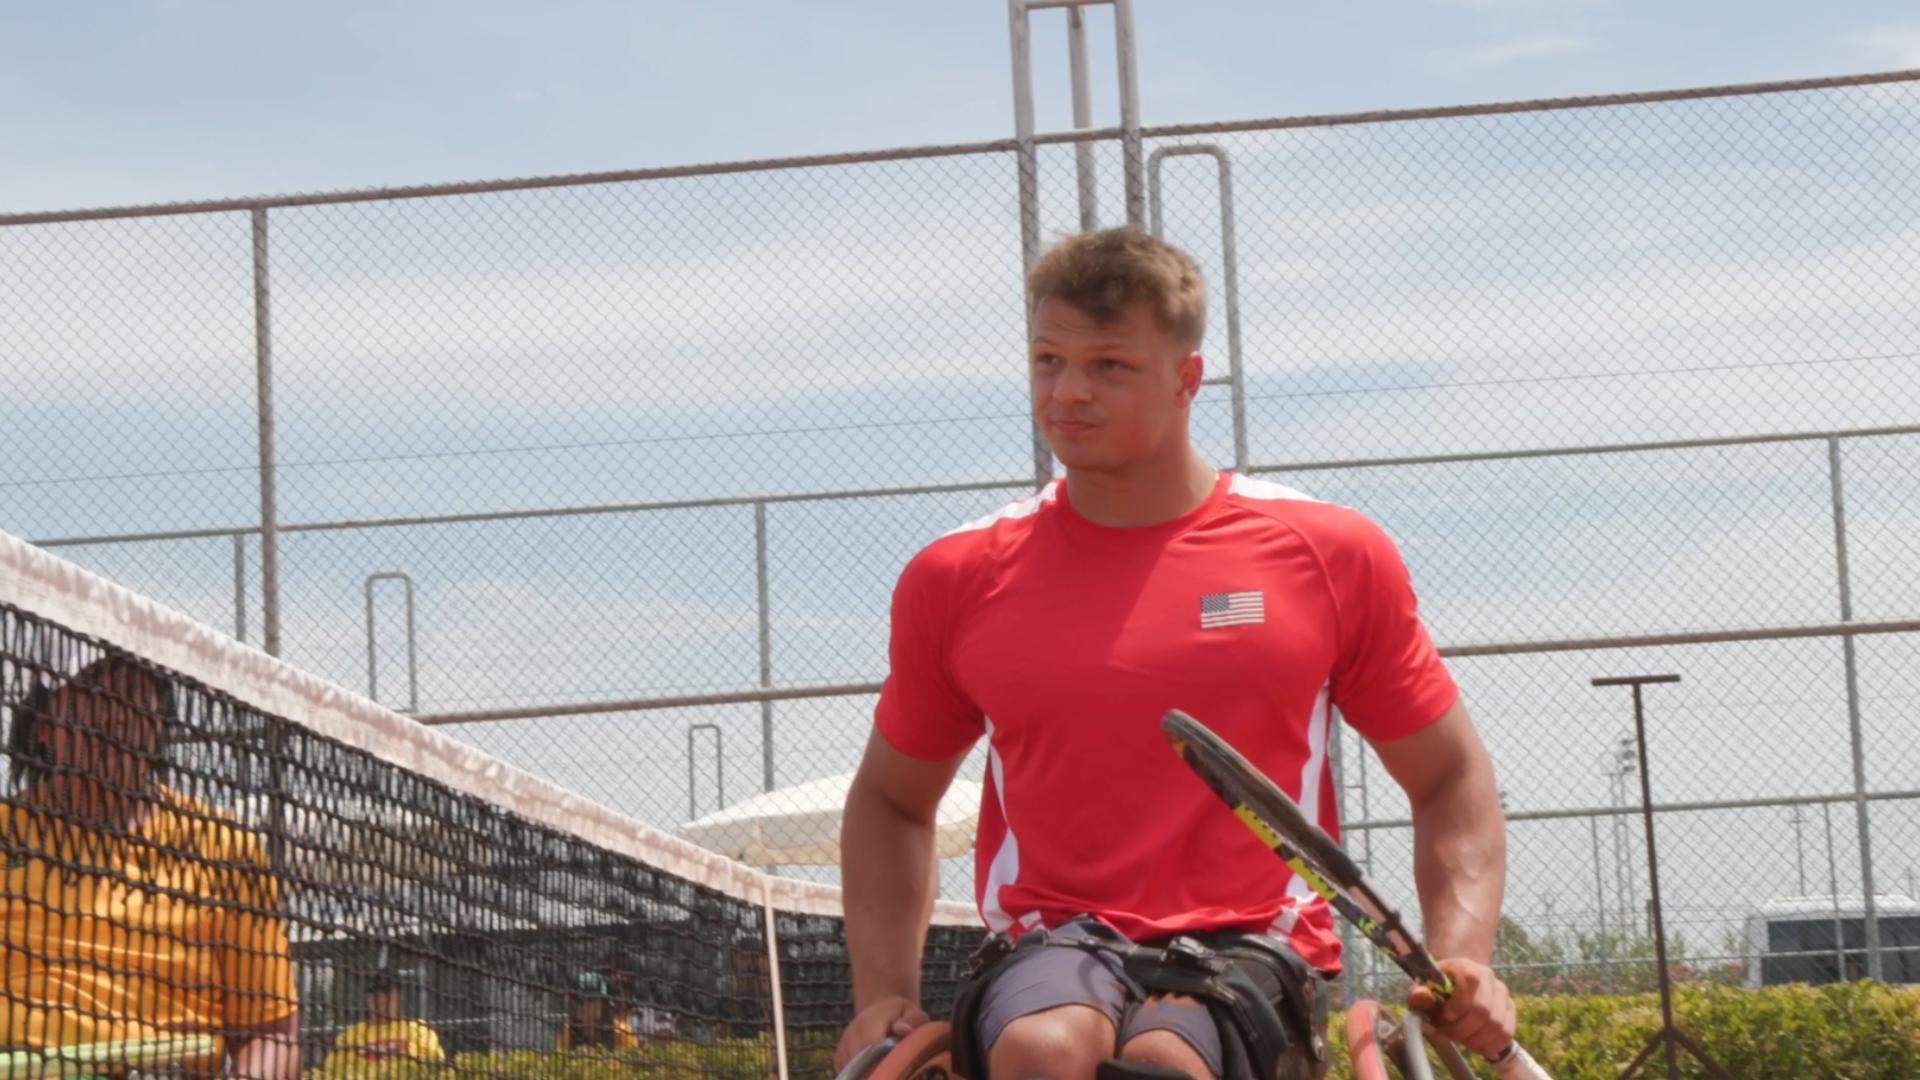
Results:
x,y
1167,1049
1163,1031
1070,1040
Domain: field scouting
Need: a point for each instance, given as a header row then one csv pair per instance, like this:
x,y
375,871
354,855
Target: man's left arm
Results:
x,y
255,965
269,1052
1460,869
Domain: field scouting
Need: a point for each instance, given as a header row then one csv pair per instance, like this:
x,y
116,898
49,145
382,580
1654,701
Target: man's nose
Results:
x,y
1072,384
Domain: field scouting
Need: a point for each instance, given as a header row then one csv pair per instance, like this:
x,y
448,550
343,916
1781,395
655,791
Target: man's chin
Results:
x,y
1081,459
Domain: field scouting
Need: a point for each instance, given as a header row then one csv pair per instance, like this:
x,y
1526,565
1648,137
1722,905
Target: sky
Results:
x,y
139,102
1706,269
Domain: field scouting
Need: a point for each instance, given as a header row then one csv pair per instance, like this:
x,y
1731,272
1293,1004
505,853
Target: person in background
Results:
x,y
387,1036
130,913
592,1021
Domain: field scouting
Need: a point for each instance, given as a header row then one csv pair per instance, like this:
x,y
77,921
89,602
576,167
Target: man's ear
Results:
x,y
1193,371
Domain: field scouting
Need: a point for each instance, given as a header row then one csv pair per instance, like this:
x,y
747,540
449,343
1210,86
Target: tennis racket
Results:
x,y
1277,820
85,1059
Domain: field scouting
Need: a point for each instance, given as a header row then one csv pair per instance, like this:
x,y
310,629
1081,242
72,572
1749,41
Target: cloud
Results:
x,y
1511,50
1526,7
1895,45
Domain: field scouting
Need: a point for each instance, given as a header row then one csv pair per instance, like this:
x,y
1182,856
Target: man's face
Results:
x,y
384,1005
1109,395
101,745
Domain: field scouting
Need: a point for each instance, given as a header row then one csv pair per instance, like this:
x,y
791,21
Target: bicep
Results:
x,y
1436,755
909,786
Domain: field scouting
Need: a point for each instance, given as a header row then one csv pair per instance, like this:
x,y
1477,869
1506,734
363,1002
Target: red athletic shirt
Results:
x,y
1065,642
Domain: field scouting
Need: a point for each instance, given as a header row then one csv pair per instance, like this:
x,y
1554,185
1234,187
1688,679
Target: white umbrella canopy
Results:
x,y
800,825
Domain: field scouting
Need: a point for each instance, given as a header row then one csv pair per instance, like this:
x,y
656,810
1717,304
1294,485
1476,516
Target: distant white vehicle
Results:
x,y
1822,939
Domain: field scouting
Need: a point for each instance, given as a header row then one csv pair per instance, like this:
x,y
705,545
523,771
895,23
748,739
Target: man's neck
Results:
x,y
1145,494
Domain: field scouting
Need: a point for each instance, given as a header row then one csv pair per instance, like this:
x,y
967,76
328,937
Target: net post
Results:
x,y
773,979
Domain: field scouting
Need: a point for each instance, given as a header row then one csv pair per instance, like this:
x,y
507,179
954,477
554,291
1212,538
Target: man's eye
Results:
x,y
1046,360
1112,365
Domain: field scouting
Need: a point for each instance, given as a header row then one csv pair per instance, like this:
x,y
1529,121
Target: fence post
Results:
x,y
766,642
1854,733
263,405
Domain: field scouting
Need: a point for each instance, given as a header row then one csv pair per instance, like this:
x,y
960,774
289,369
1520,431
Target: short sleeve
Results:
x,y
256,969
922,713
426,1044
1389,680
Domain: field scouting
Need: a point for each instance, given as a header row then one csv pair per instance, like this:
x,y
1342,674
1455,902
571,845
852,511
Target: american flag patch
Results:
x,y
1219,609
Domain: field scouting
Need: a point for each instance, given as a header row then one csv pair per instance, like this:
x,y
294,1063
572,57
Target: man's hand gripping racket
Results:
x,y
1276,819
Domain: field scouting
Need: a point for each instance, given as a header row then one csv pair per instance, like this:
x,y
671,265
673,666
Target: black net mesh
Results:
x,y
193,883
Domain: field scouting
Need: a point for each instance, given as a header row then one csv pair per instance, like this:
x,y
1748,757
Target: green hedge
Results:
x,y
1849,1031
1852,1031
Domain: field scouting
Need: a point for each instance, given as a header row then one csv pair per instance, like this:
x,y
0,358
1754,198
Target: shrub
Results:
x,y
1846,1031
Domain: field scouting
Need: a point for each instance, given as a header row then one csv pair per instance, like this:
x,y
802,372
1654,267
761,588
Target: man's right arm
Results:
x,y
887,871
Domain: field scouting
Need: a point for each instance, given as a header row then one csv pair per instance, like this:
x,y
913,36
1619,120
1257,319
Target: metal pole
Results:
x,y
719,767
413,656
1229,273
1854,730
263,391
240,586
1833,897
779,1024
1653,882
766,642
1798,821
1600,905
1623,840
1027,163
1130,145
1664,1036
1337,761
1082,120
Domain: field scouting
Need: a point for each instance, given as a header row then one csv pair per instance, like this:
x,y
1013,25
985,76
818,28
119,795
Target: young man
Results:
x,y
1063,628
593,1020
128,912
386,1038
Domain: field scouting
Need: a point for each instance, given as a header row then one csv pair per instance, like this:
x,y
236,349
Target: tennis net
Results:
x,y
202,843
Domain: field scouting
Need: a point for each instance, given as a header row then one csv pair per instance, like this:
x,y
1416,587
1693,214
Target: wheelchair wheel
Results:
x,y
1375,1044
926,1054
1365,1028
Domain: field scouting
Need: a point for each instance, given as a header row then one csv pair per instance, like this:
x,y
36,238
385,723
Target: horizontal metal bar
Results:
x,y
1593,449
1037,5
749,696
1691,637
689,701
954,150
983,485
488,187
553,512
1658,808
1593,101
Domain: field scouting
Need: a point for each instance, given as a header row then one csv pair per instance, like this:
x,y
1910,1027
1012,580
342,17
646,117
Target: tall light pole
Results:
x,y
1620,769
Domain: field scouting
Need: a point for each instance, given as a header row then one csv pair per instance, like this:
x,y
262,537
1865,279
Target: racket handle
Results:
x,y
1514,1063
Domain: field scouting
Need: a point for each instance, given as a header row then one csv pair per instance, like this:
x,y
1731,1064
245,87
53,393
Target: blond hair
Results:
x,y
1103,273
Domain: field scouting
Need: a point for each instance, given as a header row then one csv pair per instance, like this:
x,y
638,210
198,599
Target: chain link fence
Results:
x,y
612,475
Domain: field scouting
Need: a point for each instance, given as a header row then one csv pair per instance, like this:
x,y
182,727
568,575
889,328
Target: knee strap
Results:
x,y
1115,1069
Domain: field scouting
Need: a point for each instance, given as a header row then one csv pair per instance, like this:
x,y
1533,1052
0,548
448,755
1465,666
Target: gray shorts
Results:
x,y
1041,979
